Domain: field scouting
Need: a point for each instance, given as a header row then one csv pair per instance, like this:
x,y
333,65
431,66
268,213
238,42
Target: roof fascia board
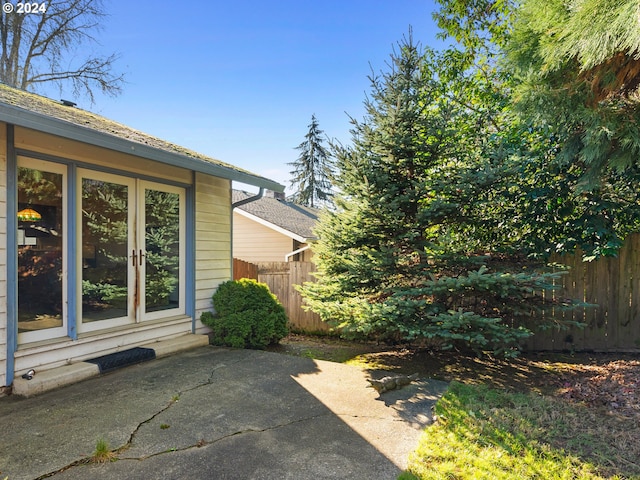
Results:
x,y
35,121
270,225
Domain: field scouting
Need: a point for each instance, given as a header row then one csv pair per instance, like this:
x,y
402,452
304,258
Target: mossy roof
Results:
x,y
38,112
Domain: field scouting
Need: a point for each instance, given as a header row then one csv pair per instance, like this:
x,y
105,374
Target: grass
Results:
x,y
484,433
103,453
509,419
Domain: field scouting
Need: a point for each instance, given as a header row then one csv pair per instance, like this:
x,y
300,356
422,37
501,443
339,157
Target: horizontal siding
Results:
x,y
213,240
254,243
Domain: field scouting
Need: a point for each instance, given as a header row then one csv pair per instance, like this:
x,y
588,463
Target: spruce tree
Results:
x,y
402,258
311,176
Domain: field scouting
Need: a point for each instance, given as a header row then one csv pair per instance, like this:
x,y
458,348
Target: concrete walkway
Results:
x,y
218,413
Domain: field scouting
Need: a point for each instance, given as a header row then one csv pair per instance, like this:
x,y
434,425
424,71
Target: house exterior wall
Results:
x,y
213,240
3,254
39,142
212,237
254,243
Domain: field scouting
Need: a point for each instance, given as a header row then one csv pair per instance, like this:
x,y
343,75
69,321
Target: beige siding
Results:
x,y
213,239
253,242
214,262
52,145
3,254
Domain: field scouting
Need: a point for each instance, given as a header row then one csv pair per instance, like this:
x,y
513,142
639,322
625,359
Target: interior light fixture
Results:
x,y
29,215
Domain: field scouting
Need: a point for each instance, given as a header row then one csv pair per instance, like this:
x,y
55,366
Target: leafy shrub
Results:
x,y
247,315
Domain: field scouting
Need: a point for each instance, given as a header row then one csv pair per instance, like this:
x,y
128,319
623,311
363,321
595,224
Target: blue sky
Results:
x,y
239,80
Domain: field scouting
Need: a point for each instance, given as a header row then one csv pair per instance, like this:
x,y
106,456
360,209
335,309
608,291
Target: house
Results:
x,y
109,238
272,229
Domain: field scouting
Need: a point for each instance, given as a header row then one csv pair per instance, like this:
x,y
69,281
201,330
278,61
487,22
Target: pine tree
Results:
x,y
311,177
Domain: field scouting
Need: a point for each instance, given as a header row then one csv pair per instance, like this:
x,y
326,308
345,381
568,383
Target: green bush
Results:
x,y
247,315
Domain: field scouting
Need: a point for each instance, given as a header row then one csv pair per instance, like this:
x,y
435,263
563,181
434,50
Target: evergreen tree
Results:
x,y
402,256
569,176
578,65
311,177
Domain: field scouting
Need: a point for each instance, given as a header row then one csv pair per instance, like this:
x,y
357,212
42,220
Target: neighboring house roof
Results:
x,y
33,111
291,219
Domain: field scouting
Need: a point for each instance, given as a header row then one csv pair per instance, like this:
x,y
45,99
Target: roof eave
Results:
x,y
284,231
35,121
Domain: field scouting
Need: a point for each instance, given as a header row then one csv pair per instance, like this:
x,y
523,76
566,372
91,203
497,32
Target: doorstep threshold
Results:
x,y
45,380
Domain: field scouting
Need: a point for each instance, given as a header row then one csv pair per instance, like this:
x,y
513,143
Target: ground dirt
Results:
x,y
607,382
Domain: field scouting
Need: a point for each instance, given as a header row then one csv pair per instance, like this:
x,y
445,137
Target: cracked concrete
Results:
x,y
218,413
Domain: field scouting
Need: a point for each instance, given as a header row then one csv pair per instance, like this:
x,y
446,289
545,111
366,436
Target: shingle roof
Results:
x,y
72,122
294,218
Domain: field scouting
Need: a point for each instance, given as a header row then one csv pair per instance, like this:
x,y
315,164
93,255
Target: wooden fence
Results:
x,y
613,285
281,278
242,269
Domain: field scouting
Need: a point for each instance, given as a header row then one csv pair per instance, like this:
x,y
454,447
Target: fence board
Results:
x,y
613,285
281,278
242,269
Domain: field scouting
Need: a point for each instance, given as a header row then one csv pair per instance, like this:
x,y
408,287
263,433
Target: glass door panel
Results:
x,y
41,262
107,205
162,222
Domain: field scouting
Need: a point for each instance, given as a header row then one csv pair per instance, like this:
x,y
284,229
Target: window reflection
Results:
x,y
39,249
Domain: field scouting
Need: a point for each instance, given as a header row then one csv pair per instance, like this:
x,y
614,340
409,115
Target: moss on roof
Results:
x,y
83,118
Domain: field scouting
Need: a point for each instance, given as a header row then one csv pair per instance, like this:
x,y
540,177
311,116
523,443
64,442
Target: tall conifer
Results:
x,y
311,175
395,259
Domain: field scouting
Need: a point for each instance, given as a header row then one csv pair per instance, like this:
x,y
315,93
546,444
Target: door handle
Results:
x,y
134,258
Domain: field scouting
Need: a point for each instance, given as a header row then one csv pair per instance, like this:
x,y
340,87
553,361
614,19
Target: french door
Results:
x,y
131,238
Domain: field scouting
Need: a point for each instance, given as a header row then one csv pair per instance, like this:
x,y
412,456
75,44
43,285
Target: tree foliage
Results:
x,y
40,47
423,193
311,176
458,186
570,175
577,67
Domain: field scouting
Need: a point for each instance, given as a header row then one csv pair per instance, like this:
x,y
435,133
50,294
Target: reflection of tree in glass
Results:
x,y
40,264
37,186
162,241
105,233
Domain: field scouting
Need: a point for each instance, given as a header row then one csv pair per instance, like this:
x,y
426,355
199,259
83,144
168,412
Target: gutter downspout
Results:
x,y
235,205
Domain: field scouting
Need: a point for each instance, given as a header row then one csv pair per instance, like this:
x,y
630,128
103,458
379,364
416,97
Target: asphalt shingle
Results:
x,y
290,216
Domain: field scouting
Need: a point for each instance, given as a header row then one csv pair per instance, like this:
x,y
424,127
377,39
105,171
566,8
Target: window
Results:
x,y
42,263
129,251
